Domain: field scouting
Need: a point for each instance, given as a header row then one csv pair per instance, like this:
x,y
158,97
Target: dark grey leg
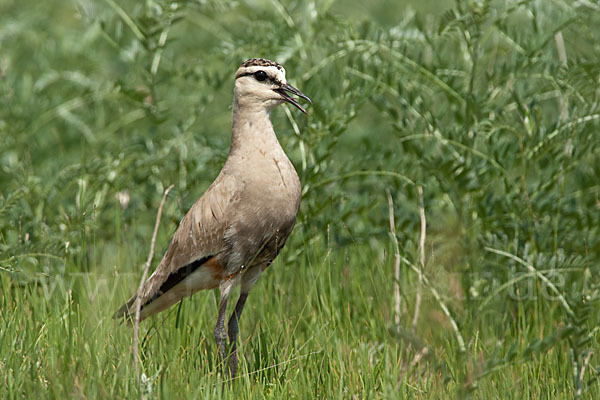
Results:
x,y
248,280
233,330
220,333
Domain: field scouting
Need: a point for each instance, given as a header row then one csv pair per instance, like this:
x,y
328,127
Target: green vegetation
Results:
x,y
492,108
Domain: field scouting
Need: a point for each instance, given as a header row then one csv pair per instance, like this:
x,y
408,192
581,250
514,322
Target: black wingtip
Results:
x,y
123,314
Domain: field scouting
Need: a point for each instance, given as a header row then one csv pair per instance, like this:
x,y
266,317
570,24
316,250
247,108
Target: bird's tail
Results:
x,y
124,313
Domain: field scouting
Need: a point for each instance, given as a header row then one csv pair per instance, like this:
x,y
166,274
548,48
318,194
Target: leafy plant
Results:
x,y
491,108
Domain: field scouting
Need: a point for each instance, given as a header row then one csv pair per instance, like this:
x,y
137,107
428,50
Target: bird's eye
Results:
x,y
260,75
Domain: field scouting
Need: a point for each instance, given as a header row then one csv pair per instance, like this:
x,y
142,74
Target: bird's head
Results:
x,y
261,84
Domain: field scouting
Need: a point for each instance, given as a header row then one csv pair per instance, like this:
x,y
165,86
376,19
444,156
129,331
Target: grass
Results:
x,y
492,108
320,328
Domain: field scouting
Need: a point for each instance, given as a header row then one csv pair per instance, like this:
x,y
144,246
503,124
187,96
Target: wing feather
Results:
x,y
199,237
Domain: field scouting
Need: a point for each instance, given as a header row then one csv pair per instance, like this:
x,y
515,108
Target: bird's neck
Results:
x,y
252,128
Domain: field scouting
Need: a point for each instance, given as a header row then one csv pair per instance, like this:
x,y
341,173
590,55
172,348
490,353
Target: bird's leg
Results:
x,y
248,280
233,330
220,333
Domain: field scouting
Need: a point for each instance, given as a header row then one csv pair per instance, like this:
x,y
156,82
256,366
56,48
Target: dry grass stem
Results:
x,y
539,275
407,368
579,382
562,56
438,298
560,48
138,303
421,257
396,260
424,351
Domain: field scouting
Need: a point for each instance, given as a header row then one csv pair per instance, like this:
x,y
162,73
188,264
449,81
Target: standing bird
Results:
x,y
239,225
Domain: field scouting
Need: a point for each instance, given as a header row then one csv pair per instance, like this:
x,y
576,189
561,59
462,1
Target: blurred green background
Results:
x,y
491,107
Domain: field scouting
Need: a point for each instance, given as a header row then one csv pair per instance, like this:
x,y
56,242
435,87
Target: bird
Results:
x,y
234,231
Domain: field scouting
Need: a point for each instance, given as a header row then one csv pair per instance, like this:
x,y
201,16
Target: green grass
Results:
x,y
320,328
492,108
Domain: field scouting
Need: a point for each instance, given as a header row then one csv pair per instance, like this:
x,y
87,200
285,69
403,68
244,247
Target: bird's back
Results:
x,y
242,221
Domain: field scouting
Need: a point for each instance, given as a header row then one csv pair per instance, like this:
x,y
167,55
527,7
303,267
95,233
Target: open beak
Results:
x,y
284,92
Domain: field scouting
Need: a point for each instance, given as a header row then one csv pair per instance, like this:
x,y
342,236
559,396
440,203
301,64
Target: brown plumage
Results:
x,y
239,225
261,62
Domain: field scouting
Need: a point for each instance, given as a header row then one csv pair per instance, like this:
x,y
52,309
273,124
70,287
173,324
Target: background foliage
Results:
x,y
491,107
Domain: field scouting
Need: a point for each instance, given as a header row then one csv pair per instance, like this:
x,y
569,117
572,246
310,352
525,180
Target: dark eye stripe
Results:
x,y
269,77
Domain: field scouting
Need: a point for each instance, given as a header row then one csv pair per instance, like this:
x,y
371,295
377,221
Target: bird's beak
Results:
x,y
285,89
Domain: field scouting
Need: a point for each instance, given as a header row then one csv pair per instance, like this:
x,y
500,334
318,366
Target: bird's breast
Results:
x,y
271,177
266,210
275,197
